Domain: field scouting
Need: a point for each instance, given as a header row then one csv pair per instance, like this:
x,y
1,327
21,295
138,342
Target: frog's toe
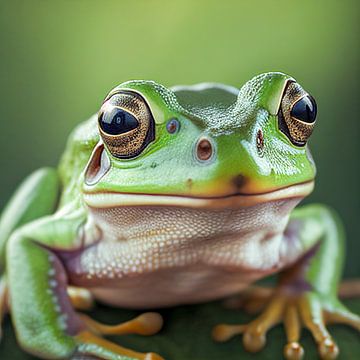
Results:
x,y
254,337
145,324
292,350
315,314
91,345
254,333
307,310
224,332
312,314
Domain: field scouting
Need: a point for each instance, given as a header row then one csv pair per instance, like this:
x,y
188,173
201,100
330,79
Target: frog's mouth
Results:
x,y
116,199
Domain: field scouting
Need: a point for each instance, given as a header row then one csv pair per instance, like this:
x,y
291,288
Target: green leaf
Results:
x,y
186,335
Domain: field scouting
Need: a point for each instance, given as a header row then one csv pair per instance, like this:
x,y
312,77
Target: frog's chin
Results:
x,y
114,199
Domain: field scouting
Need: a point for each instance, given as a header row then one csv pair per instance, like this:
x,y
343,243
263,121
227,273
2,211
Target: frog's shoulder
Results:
x,y
79,147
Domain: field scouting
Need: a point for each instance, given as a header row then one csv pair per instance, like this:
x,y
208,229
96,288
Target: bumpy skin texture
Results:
x,y
206,204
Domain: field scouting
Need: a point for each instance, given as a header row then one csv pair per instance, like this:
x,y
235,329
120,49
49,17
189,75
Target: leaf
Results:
x,y
186,335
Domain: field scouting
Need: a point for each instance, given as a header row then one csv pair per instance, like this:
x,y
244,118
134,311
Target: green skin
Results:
x,y
45,215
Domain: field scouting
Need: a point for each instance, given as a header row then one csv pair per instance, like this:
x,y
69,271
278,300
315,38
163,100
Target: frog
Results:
x,y
175,196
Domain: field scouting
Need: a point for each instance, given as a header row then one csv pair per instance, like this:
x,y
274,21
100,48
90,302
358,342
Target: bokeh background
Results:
x,y
58,59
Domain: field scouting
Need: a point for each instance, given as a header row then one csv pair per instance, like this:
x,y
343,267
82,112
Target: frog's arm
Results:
x,y
319,271
307,293
37,196
45,321
35,281
322,266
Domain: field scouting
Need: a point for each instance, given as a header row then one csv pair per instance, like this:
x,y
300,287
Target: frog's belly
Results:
x,y
173,287
154,257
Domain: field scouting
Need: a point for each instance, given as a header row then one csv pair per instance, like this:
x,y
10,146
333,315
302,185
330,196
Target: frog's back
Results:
x,y
79,147
203,98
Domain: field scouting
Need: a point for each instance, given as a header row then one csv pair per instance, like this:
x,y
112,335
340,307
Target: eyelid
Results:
x,y
274,103
155,109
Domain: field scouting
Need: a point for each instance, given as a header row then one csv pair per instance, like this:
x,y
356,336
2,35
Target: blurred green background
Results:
x,y
58,59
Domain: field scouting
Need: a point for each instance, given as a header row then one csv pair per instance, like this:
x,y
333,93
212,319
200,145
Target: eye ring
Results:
x,y
126,124
204,150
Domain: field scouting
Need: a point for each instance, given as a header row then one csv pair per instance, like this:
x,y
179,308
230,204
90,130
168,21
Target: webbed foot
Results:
x,y
308,310
90,340
91,343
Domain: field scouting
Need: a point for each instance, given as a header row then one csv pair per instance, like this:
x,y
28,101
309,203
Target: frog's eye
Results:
x,y
297,114
117,121
126,124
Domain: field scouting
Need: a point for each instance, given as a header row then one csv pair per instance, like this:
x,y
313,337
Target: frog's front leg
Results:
x,y
307,291
45,321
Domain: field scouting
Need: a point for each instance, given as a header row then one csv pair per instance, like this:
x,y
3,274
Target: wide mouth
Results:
x,y
117,199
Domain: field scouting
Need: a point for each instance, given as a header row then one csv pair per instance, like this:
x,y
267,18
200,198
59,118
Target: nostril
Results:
x,y
98,165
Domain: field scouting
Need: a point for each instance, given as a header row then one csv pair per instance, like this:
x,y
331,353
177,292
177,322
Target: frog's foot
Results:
x,y
91,342
307,310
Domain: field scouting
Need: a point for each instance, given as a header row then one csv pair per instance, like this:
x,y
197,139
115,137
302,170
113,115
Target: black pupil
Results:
x,y
117,121
304,109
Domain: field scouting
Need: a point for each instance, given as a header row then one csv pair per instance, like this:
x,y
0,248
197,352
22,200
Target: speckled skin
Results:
x,y
165,221
208,253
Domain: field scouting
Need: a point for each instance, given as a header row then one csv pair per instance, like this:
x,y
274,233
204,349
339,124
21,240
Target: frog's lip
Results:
x,y
114,199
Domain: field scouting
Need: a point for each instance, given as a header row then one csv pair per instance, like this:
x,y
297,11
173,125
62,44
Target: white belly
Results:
x,y
163,256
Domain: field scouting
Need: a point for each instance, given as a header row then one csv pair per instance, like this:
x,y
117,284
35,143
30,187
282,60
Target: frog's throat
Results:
x,y
113,199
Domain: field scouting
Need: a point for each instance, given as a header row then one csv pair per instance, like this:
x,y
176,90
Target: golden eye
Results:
x,y
297,114
126,124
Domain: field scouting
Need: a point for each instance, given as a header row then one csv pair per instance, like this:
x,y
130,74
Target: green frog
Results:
x,y
175,196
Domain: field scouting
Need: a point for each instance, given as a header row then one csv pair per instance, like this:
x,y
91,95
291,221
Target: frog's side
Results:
x,y
172,197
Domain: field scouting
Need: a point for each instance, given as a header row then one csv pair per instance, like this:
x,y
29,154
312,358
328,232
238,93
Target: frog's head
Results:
x,y
203,145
